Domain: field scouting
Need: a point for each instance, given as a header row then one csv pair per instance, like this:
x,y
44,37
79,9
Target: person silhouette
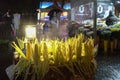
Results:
x,y
111,19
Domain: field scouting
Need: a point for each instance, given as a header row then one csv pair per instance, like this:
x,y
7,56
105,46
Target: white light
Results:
x,y
111,3
38,16
30,32
81,9
100,9
118,1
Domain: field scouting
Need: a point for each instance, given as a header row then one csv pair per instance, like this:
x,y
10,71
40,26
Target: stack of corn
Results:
x,y
76,54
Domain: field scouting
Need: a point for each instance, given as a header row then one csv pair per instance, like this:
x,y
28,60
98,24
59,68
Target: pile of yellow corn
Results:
x,y
46,54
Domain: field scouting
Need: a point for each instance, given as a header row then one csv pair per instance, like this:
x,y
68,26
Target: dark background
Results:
x,y
19,5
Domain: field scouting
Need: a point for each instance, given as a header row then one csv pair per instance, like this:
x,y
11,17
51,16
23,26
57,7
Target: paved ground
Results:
x,y
5,60
108,67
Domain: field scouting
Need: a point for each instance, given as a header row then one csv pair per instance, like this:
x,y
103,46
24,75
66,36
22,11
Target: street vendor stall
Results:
x,y
46,6
93,14
84,12
53,59
108,31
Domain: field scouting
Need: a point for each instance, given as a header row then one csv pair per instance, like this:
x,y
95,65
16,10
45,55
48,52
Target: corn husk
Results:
x,y
76,55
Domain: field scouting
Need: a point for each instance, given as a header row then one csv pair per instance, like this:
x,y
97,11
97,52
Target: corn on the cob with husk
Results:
x,y
29,51
76,54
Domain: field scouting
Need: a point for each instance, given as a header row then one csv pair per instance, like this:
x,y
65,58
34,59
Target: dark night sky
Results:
x,y
19,5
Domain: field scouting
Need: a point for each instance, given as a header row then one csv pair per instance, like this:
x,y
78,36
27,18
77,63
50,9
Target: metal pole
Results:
x,y
95,20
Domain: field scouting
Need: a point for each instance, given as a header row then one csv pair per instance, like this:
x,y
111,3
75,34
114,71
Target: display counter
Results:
x,y
108,39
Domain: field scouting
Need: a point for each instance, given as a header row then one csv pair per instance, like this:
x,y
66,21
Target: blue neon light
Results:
x,y
45,4
67,6
48,4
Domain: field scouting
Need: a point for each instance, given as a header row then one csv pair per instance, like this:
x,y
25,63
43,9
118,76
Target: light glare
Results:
x,y
31,32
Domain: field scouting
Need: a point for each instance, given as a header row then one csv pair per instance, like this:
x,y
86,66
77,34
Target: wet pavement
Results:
x,y
6,59
108,67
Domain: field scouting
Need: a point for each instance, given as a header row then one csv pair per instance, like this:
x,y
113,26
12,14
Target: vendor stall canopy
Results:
x,y
49,3
61,1
78,2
